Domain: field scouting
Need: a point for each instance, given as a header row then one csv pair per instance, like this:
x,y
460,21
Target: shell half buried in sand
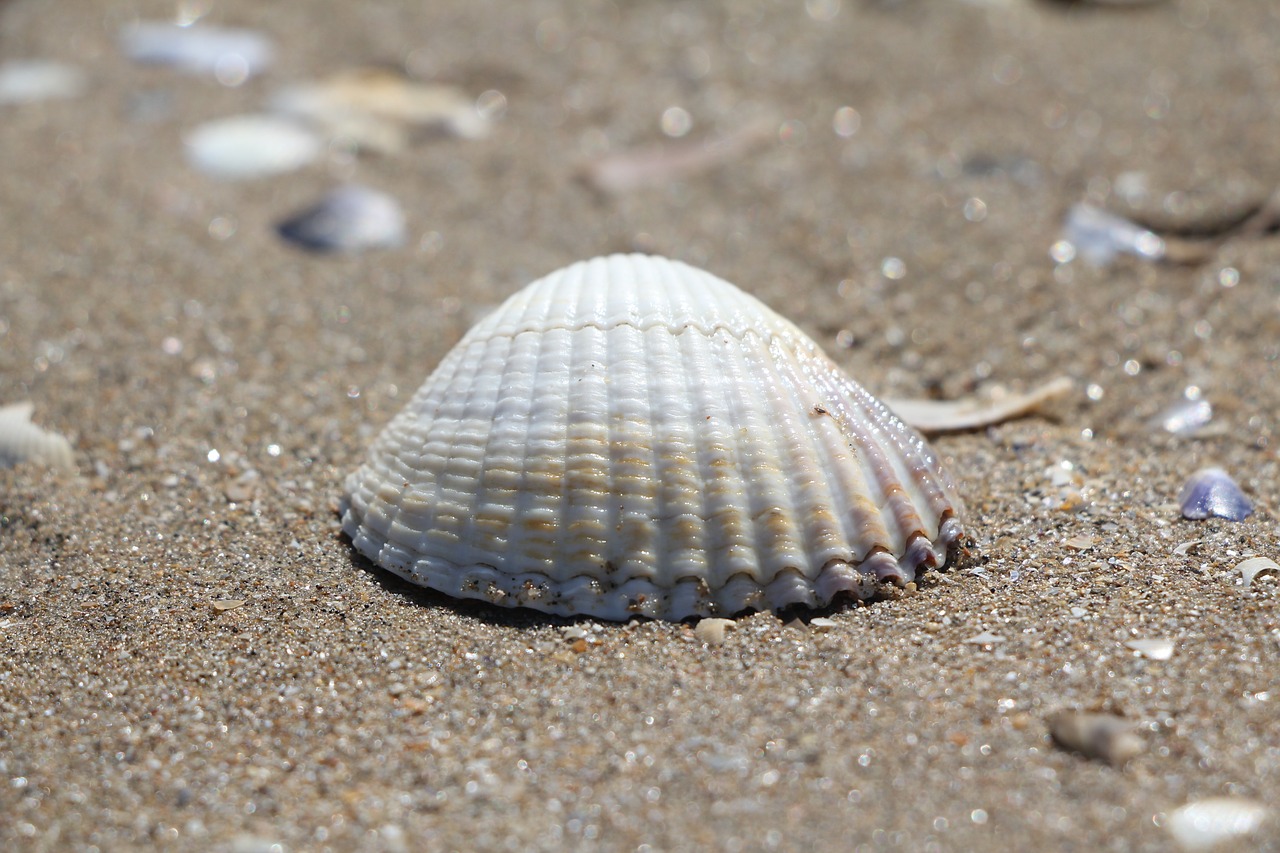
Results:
x,y
633,436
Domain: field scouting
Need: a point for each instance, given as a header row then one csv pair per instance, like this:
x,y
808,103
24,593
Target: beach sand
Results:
x,y
192,657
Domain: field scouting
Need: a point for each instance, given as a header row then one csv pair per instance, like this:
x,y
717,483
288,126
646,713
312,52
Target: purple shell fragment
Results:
x,y
347,219
1211,492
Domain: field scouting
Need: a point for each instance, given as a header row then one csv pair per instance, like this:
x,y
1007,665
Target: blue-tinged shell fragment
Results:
x,y
1211,492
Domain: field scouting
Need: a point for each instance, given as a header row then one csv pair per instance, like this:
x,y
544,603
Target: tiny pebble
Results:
x,y
1103,737
711,630
1152,649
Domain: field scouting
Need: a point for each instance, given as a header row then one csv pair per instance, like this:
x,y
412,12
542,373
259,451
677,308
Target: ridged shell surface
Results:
x,y
631,435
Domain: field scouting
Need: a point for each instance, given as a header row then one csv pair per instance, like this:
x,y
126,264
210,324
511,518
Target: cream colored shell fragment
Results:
x,y
631,435
21,441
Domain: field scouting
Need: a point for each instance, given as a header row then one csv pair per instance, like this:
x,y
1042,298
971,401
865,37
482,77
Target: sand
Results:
x,y
191,656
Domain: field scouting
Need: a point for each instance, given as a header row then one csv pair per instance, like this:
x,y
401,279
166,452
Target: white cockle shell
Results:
x,y
630,435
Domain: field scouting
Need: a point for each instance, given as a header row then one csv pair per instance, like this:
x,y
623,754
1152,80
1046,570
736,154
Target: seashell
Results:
x,y
1206,824
22,441
28,81
376,109
931,416
251,146
1185,416
1152,649
1254,566
631,435
1102,737
1212,492
229,54
347,219
1099,236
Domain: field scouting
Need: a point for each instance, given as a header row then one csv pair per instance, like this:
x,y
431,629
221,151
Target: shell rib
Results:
x,y
631,435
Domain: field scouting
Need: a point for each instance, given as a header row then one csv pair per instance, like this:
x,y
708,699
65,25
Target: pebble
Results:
x,y
349,218
1102,737
1204,824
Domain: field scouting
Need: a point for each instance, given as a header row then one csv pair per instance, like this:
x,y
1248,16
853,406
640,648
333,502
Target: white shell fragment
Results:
x,y
1186,416
625,171
21,441
1152,649
251,146
1211,492
27,81
347,219
1099,236
231,55
932,416
1204,824
1255,566
631,435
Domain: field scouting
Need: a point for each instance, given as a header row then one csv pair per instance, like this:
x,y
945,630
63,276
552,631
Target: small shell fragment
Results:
x,y
1254,566
347,219
251,146
1186,416
986,638
227,604
28,81
934,416
633,436
1211,492
711,630
638,168
231,55
1102,737
821,624
376,109
1152,649
1204,824
1099,236
21,441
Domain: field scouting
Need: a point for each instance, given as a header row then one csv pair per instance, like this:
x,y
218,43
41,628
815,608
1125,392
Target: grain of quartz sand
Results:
x,y
153,316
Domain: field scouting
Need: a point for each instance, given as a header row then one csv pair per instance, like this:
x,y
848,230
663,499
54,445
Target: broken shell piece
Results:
x,y
1185,417
633,436
21,441
932,416
251,146
1211,492
986,638
232,55
375,109
624,171
1152,649
711,630
347,219
1102,737
1099,236
27,81
1205,824
1254,566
